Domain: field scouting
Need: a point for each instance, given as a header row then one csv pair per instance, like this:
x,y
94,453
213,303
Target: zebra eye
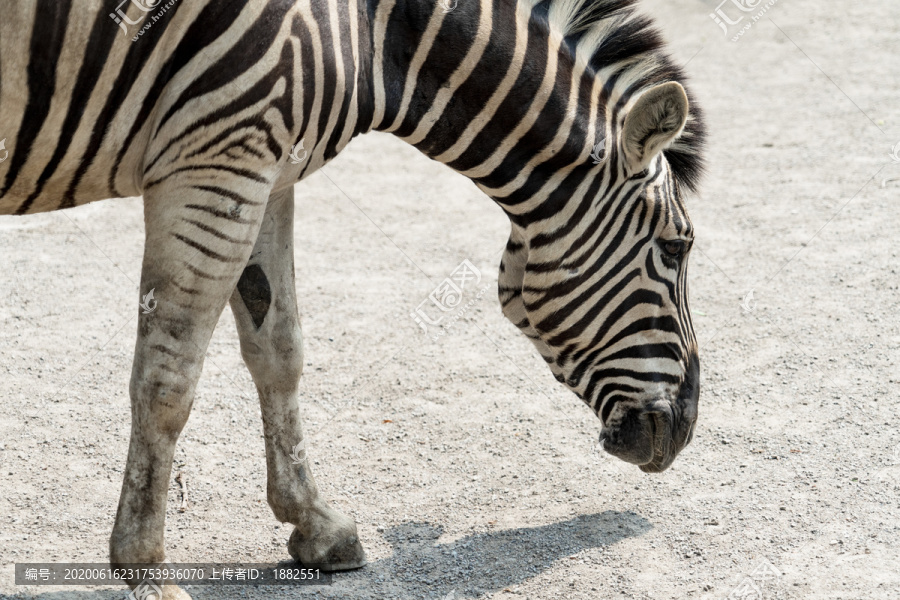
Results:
x,y
674,248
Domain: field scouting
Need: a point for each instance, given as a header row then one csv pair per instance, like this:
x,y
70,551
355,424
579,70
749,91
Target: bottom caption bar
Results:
x,y
151,575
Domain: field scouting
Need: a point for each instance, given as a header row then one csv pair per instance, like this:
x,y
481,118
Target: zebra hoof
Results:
x,y
340,551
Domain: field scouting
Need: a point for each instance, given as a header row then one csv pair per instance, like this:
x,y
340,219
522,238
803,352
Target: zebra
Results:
x,y
568,114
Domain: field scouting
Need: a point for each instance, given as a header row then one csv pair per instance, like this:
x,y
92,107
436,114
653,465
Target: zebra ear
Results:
x,y
653,123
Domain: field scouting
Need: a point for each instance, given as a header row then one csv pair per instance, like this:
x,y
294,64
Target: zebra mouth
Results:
x,y
643,438
664,450
631,438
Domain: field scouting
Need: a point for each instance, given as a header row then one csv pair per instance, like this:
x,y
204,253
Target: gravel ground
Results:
x,y
471,472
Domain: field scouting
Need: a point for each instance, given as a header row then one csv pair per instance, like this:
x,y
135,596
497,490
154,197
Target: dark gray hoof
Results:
x,y
344,553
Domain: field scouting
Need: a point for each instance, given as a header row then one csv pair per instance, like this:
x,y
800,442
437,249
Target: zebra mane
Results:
x,y
611,35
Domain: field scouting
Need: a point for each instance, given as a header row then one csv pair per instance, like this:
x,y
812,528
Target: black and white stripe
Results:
x,y
514,94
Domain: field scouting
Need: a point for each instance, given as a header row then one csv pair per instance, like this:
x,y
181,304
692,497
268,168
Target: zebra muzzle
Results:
x,y
642,437
631,438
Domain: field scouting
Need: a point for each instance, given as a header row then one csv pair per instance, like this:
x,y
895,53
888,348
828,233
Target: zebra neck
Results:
x,y
486,87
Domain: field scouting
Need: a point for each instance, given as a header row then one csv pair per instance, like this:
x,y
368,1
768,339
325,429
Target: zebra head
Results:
x,y
569,114
599,283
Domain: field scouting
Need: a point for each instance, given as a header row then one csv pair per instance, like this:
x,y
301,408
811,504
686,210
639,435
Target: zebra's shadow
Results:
x,y
481,564
474,566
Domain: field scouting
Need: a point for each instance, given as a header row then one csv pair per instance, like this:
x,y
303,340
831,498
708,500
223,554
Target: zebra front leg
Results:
x,y
265,308
197,241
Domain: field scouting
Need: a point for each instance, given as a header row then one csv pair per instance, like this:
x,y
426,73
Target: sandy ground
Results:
x,y
471,472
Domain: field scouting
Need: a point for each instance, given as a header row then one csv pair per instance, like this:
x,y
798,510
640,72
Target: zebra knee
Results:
x,y
277,356
162,396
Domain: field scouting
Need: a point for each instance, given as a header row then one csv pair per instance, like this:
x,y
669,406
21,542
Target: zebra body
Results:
x,y
81,129
567,113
